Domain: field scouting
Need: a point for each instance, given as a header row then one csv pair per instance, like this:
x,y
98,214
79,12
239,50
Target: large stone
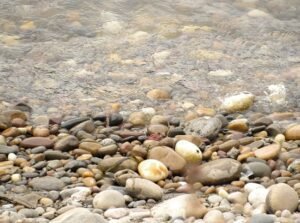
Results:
x,y
280,197
47,183
204,127
189,151
78,215
239,102
37,141
184,206
169,157
268,152
109,199
66,143
143,189
293,133
215,172
153,170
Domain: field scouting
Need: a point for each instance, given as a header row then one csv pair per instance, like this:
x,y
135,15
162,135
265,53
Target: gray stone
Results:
x,y
208,128
108,199
216,172
143,189
262,218
8,149
29,213
259,169
46,183
66,143
55,155
79,215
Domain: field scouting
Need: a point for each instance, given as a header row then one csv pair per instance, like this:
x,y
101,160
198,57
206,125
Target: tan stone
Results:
x,y
268,152
159,94
293,133
240,125
153,170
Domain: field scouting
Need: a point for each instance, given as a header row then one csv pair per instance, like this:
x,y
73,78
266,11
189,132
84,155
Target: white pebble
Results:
x,y
15,177
12,157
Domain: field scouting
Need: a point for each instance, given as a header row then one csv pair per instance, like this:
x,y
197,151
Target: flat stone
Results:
x,y
169,157
228,145
114,164
47,183
184,206
37,141
215,172
280,197
66,143
92,147
73,122
143,189
56,155
8,149
116,213
78,215
268,152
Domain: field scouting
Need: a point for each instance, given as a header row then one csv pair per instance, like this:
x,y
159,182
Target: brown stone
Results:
x,y
168,157
92,147
41,132
293,133
37,141
159,94
268,152
240,125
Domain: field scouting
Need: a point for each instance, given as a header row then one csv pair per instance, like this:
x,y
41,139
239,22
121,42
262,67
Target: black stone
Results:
x,y
73,122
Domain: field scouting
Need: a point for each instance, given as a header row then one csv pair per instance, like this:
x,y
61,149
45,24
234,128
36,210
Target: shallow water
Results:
x,y
69,54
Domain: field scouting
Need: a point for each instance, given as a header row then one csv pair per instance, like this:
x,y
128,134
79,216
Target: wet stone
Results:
x,y
73,122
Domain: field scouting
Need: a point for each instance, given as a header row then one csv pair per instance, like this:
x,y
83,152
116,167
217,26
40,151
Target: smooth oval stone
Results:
x,y
239,102
123,175
115,119
66,143
240,125
268,152
47,183
114,164
293,133
169,157
259,169
37,141
72,122
159,94
215,172
92,147
281,197
143,189
214,216
189,151
108,199
8,149
153,170
56,155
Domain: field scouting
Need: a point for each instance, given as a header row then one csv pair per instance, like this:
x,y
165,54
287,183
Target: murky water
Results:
x,y
73,54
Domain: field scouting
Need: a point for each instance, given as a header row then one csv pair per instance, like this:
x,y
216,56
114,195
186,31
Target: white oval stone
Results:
x,y
258,196
238,102
153,170
249,187
12,157
15,177
189,151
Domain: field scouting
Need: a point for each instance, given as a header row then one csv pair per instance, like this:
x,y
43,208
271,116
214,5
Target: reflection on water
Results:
x,y
68,53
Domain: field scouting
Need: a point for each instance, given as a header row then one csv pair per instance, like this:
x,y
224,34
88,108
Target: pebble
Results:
x,y
158,94
217,172
262,218
214,216
268,152
281,197
293,132
32,142
189,151
47,183
66,143
109,199
137,119
169,157
153,170
143,189
239,102
240,125
116,213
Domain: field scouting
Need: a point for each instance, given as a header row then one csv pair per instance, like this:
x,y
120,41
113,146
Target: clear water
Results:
x,y
73,54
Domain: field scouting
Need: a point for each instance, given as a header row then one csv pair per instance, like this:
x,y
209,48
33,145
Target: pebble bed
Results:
x,y
142,166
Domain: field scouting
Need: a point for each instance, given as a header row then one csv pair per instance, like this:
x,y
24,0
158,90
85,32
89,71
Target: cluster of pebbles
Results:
x,y
146,167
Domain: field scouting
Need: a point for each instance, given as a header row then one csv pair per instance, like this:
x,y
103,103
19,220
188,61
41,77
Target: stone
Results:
x,y
74,165
143,189
87,126
240,125
56,155
293,133
258,196
159,94
216,172
115,119
159,119
116,213
259,169
189,151
239,102
262,218
137,118
228,145
268,152
204,127
41,131
114,164
281,197
29,213
157,129
108,150
37,141
73,122
92,147
182,206
169,157
47,183
109,199
153,170
122,175
8,149
237,198
294,167
66,143
214,216
78,215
